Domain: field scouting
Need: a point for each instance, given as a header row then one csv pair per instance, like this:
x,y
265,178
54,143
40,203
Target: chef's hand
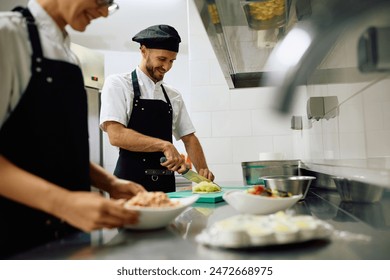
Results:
x,y
174,161
206,173
124,189
89,211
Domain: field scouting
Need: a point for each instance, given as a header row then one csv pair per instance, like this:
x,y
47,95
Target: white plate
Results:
x,y
247,203
245,231
154,218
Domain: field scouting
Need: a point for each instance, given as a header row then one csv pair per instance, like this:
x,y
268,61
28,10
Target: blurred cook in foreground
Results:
x,y
140,112
45,172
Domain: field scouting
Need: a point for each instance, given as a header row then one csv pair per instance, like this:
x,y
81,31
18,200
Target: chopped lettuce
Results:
x,y
206,187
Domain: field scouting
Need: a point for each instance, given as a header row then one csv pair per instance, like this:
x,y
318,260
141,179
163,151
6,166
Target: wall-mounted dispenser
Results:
x,y
322,107
300,123
296,123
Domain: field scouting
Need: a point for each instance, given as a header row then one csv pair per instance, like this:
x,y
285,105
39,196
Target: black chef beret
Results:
x,y
162,36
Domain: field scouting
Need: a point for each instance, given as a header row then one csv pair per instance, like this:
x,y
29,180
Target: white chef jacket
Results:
x,y
16,51
117,101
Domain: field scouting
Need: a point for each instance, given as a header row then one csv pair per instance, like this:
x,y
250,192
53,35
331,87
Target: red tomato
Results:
x,y
256,190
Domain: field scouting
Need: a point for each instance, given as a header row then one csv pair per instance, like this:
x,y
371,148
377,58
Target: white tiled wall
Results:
x,y
356,143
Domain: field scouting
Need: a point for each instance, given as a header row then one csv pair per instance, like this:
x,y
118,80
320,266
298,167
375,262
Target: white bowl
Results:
x,y
154,218
256,204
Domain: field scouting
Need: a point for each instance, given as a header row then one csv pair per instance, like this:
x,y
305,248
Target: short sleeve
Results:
x,y
115,100
5,80
182,124
15,62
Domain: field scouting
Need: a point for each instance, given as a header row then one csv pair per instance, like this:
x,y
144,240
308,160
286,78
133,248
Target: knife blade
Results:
x,y
194,177
189,174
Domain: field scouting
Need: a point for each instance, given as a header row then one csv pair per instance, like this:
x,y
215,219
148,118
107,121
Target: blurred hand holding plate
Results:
x,y
159,217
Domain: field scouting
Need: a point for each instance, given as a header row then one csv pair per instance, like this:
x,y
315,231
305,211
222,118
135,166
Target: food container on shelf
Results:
x,y
252,171
265,14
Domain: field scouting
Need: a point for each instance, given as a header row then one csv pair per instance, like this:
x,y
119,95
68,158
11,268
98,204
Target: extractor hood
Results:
x,y
244,33
247,36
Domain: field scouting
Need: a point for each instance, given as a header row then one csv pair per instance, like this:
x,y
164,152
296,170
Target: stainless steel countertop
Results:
x,y
362,231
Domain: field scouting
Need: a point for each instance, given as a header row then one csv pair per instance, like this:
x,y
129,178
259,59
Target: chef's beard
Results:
x,y
152,70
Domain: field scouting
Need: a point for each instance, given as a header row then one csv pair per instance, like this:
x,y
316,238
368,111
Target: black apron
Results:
x,y
47,135
153,118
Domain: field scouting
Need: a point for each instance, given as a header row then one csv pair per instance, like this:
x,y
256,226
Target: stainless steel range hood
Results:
x,y
245,41
243,37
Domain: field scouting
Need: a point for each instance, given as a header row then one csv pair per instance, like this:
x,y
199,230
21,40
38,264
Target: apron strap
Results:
x,y
134,79
137,91
34,38
167,98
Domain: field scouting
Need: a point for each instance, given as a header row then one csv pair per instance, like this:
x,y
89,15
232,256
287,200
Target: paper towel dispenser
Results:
x,y
322,107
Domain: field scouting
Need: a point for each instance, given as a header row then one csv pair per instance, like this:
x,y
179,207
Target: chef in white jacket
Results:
x,y
140,113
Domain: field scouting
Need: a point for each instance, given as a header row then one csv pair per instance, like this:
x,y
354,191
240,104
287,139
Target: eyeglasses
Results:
x,y
112,7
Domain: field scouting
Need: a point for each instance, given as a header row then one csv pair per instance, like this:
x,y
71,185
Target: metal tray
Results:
x,y
240,237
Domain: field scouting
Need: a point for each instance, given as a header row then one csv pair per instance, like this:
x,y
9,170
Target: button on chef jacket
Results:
x,y
55,44
118,94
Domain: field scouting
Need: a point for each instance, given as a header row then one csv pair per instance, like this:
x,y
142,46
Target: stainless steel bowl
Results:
x,y
356,191
292,184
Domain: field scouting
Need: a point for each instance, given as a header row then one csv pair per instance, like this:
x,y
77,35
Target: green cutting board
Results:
x,y
203,197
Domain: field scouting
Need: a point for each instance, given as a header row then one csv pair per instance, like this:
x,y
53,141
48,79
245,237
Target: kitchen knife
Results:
x,y
189,174
194,177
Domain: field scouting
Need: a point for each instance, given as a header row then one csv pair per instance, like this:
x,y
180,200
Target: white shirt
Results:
x,y
117,101
16,51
